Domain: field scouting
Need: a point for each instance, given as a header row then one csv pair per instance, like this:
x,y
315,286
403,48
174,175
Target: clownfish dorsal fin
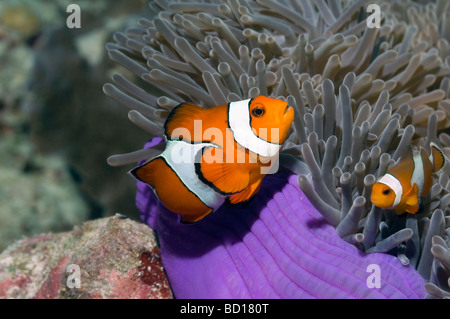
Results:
x,y
407,156
181,120
437,157
412,200
408,153
226,178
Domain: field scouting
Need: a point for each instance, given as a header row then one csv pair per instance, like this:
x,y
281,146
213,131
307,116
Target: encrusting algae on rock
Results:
x,y
112,257
361,96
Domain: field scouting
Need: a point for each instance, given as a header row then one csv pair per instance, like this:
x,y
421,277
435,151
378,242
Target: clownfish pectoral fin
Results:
x,y
247,194
412,200
437,157
408,153
181,120
226,178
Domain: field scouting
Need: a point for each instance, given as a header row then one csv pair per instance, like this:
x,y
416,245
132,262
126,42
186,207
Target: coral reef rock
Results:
x,y
113,257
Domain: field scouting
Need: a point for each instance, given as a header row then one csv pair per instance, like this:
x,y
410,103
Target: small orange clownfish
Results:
x,y
402,186
216,154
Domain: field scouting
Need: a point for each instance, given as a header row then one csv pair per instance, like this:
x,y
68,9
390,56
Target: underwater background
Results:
x,y
57,127
361,96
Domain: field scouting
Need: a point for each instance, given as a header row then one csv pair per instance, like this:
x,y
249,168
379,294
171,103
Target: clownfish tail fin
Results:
x,y
437,157
146,172
409,152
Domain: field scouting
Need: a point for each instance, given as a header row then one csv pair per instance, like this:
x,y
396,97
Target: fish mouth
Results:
x,y
288,114
374,202
288,117
378,203
287,109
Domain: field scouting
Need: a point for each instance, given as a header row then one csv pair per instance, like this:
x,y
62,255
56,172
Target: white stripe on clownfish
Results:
x,y
185,169
239,122
395,185
418,175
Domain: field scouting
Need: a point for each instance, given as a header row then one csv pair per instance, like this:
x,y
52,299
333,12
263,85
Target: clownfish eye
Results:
x,y
258,112
386,192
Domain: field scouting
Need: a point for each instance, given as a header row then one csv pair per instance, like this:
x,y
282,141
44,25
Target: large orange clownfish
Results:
x,y
217,153
402,186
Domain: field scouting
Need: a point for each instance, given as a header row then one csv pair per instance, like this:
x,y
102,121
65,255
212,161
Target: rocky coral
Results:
x,y
113,257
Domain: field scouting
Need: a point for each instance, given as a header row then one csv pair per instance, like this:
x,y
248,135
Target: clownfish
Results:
x,y
402,186
216,154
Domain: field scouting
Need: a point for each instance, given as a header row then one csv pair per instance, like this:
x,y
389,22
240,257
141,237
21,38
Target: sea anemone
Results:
x,y
279,246
361,96
439,284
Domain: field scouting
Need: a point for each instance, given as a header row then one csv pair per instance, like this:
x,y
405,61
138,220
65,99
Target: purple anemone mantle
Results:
x,y
278,246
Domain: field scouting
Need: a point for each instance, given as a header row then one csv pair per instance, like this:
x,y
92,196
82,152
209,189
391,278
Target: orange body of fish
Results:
x,y
216,154
402,186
